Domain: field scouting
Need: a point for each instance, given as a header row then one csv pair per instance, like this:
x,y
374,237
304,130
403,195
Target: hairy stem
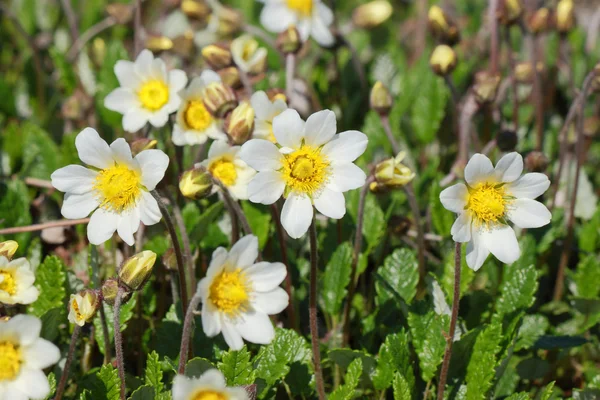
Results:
x,y
119,340
65,374
237,209
312,311
187,333
137,25
385,121
290,67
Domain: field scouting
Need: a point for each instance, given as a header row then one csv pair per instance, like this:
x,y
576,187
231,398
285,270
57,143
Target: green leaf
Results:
x,y
446,280
547,392
67,79
482,365
110,380
394,357
237,368
52,383
344,357
144,392
153,375
374,225
336,279
85,395
517,291
402,389
273,360
50,280
197,366
259,220
14,211
41,155
351,379
589,232
519,396
587,276
427,329
400,272
531,329
51,322
429,107
124,317
547,342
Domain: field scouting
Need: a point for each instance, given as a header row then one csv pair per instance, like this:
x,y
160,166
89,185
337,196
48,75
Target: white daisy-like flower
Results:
x,y
265,111
490,198
194,124
148,92
16,282
308,165
238,295
116,185
209,386
224,164
247,54
310,17
23,356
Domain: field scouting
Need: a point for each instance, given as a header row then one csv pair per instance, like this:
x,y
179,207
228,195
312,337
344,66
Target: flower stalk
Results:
x,y
60,390
312,311
119,340
187,333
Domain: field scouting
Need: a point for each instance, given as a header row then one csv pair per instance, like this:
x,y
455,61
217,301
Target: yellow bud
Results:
x,y
276,94
392,173
524,72
372,14
159,43
98,52
136,270
219,99
538,22
8,248
288,41
83,306
565,16
510,11
230,76
380,99
437,18
486,87
139,145
195,9
240,123
122,13
443,60
217,56
442,27
196,183
109,290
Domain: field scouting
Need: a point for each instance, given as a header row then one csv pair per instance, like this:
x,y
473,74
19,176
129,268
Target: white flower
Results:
x,y
312,166
224,164
311,18
209,386
194,124
16,282
117,185
247,54
23,356
238,295
82,307
148,92
490,198
265,111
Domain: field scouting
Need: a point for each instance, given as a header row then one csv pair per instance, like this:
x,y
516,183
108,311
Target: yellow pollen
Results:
x,y
224,170
303,7
305,170
487,202
75,307
10,361
196,116
154,95
8,284
209,395
118,187
229,292
248,50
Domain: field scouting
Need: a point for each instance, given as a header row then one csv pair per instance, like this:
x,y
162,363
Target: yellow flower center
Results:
x,y
249,49
75,308
487,202
209,395
196,116
303,7
8,284
229,292
154,95
119,187
305,170
10,361
224,170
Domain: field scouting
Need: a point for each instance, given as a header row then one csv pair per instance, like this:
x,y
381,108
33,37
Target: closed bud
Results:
x,y
8,248
486,87
536,161
380,99
230,21
219,99
158,43
195,9
230,76
169,259
443,60
217,56
183,45
288,41
506,140
524,72
136,270
83,306
509,11
122,13
139,145
372,14
240,123
565,16
442,27
109,289
591,126
196,183
276,94
392,173
539,21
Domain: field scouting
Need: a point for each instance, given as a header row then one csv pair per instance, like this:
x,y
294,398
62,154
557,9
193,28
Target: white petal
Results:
x,y
33,383
231,336
209,76
149,212
126,74
321,32
288,128
510,167
303,27
527,213
11,392
121,100
217,260
477,252
135,119
159,118
276,17
346,177
154,164
143,64
92,149
324,13
121,152
41,354
272,302
261,104
346,147
183,387
177,79
266,187
331,203
461,229
455,198
261,155
320,128
211,320
128,225
478,168
296,215
501,241
79,205
266,276
256,327
244,252
26,327
214,378
529,186
101,227
74,179
219,147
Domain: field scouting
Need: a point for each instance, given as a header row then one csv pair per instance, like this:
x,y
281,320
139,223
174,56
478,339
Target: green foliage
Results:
x,y
393,361
587,276
14,210
426,328
153,375
237,367
402,389
273,361
400,275
127,311
351,379
50,280
336,279
481,368
109,386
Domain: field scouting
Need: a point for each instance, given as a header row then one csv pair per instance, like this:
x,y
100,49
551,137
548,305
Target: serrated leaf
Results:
x,y
14,211
589,232
394,357
336,279
144,392
586,277
112,385
197,366
50,280
482,365
400,271
273,360
517,291
547,392
124,317
52,383
85,395
374,225
427,329
402,389
344,357
519,396
429,107
351,379
531,329
237,368
153,374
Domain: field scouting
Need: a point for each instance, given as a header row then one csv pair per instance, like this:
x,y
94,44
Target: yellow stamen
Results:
x,y
224,170
10,361
209,395
305,170
75,308
487,202
154,95
229,292
119,187
303,7
8,284
196,116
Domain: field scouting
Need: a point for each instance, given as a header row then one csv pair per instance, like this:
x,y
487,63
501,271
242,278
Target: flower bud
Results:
x,y
219,99
217,56
240,123
442,27
372,14
536,161
506,140
288,41
109,289
230,21
169,259
195,9
158,43
565,16
486,87
8,248
122,13
380,99
248,56
183,45
524,72
539,21
509,11
276,94
230,76
443,60
139,145
136,270
83,306
392,173
196,183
